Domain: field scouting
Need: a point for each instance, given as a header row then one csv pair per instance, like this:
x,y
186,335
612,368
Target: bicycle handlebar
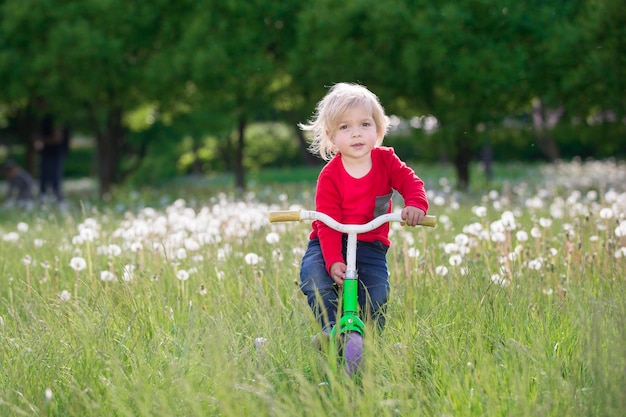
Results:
x,y
298,215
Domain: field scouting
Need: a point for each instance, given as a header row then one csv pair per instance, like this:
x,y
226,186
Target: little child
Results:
x,y
354,187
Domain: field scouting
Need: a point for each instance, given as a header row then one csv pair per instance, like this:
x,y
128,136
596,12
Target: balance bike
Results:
x,y
350,329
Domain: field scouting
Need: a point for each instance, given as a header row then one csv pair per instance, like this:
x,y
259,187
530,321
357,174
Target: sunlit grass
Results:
x,y
514,305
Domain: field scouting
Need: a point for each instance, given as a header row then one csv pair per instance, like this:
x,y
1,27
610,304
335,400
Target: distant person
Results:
x,y
53,145
21,183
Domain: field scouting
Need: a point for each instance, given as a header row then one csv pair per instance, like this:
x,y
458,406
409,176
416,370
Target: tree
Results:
x,y
92,61
234,51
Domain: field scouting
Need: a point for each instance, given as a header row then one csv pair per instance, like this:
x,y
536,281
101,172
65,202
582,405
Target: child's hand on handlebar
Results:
x,y
412,216
338,272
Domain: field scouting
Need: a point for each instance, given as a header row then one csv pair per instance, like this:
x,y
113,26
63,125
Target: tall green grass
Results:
x,y
549,342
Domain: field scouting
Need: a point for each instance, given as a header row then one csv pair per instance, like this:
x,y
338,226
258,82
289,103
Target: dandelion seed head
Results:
x,y
272,238
65,296
441,270
413,252
439,200
479,211
606,213
450,248
499,280
22,227
461,239
87,235
11,237
455,260
535,264
182,275
535,232
78,263
107,276
181,253
251,258
545,222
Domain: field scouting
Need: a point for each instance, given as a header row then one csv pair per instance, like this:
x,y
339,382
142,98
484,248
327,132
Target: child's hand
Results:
x,y
412,216
338,272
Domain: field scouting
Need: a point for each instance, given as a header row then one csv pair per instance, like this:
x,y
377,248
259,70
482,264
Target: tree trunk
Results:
x,y
462,160
462,156
240,181
109,139
543,122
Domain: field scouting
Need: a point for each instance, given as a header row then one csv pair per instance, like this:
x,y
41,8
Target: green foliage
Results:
x,y
201,70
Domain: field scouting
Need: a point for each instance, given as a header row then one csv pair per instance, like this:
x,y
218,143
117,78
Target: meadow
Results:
x,y
187,304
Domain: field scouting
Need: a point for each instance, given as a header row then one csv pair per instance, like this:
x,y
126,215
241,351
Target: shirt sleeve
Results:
x,y
407,183
328,201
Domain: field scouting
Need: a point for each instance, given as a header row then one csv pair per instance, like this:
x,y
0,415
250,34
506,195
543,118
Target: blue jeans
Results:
x,y
322,293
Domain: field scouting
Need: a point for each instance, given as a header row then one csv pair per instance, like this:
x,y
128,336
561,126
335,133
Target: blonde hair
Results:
x,y
330,110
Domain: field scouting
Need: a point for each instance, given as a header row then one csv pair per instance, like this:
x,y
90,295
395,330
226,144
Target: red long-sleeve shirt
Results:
x,y
352,200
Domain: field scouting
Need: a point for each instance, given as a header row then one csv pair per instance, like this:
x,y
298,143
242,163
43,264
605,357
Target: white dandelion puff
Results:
x,y
87,235
78,263
181,253
107,276
182,275
22,227
535,264
545,222
606,213
498,280
441,270
479,211
251,258
413,252
455,260
461,239
11,237
272,238
65,296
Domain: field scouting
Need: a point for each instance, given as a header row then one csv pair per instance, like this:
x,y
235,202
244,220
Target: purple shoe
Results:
x,y
353,348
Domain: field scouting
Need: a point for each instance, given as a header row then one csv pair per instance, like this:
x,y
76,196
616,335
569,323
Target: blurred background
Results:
x,y
138,93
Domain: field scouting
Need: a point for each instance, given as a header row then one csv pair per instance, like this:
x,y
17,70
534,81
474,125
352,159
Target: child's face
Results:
x,y
355,135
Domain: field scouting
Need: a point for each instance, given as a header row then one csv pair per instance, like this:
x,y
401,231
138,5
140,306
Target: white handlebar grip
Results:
x,y
284,216
429,221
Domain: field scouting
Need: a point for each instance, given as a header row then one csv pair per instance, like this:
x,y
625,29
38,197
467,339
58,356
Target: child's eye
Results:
x,y
343,127
367,124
